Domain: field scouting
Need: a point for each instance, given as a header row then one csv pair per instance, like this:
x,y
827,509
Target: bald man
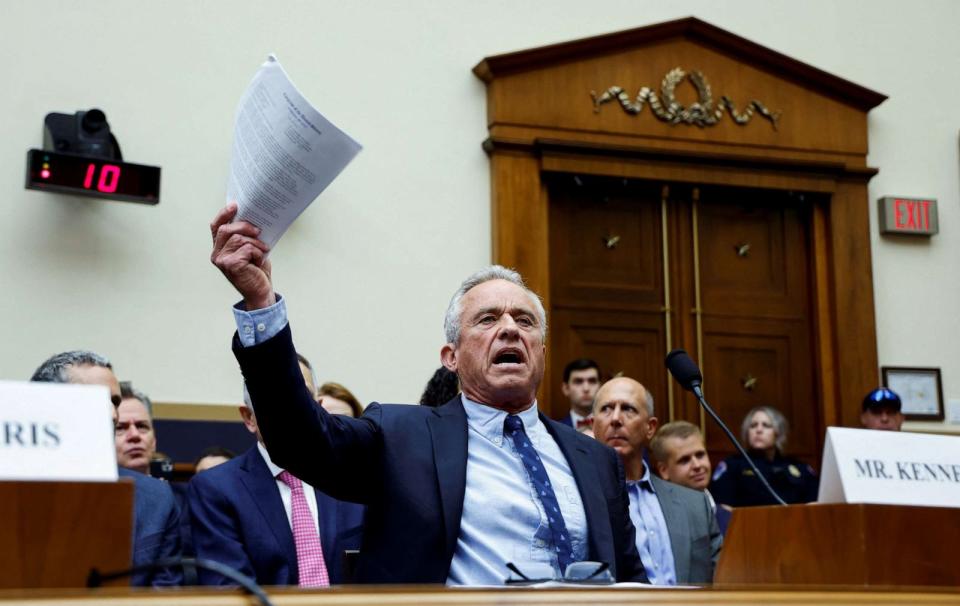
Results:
x,y
677,533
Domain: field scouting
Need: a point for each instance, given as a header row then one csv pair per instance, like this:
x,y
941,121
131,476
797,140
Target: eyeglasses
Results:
x,y
586,573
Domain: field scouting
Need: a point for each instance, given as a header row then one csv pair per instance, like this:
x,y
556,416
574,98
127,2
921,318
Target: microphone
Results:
x,y
688,375
685,371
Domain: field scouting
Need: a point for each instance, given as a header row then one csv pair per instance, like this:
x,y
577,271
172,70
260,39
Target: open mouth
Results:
x,y
508,356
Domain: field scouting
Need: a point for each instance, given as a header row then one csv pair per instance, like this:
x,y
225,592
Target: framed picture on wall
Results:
x,y
919,390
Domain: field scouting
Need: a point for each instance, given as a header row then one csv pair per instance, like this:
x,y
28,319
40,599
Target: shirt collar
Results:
x,y
577,417
644,478
713,504
274,470
488,421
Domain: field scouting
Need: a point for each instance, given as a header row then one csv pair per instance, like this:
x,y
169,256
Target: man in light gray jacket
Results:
x,y
677,533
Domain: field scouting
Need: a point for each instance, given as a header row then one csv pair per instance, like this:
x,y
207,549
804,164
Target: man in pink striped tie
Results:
x,y
262,520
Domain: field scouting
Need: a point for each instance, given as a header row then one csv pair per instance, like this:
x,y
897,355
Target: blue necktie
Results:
x,y
513,426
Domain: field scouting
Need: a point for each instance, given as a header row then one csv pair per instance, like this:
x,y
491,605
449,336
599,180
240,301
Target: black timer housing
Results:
x,y
85,133
81,156
89,176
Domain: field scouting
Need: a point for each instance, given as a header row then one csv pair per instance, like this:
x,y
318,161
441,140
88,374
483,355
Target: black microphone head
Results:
x,y
683,369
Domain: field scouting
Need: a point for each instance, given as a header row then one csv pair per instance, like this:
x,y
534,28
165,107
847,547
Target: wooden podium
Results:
x,y
841,544
53,533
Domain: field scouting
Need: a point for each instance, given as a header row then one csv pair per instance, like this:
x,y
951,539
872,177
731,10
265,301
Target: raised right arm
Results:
x,y
337,455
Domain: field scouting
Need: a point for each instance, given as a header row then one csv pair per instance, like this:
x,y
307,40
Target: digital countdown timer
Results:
x,y
96,177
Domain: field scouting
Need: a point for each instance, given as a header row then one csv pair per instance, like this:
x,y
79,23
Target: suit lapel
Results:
x,y
584,473
677,526
448,434
327,513
263,489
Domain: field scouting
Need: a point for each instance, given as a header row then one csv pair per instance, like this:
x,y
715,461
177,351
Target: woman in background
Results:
x,y
337,400
764,431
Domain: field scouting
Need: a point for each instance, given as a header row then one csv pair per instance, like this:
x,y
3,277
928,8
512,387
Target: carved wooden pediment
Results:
x,y
685,81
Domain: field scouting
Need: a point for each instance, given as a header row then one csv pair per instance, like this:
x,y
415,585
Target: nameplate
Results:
x,y
56,432
890,467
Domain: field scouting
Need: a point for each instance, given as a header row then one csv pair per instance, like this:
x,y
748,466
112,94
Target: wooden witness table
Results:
x,y
441,596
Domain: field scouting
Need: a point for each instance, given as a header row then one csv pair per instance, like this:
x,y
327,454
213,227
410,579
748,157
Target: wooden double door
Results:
x,y
639,267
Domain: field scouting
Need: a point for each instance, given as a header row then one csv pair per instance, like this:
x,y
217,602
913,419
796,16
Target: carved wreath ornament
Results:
x,y
666,108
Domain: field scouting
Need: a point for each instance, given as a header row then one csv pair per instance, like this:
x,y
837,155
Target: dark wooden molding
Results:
x,y
541,147
693,29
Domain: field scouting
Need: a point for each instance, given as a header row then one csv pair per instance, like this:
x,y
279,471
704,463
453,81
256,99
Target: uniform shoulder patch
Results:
x,y
720,470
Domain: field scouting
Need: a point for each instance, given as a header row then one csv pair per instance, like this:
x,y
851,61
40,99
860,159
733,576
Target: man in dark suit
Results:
x,y
453,493
241,515
677,533
156,516
581,380
156,520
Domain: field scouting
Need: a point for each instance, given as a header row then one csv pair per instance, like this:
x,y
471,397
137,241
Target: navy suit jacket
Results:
x,y
566,420
408,464
237,518
723,518
156,529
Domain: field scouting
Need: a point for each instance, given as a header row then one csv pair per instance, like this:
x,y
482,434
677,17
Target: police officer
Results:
x,y
735,484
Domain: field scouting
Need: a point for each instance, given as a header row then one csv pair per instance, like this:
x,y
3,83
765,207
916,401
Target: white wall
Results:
x,y
369,268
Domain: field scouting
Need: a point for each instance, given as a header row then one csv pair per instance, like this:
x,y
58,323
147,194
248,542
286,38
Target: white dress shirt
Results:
x,y
503,518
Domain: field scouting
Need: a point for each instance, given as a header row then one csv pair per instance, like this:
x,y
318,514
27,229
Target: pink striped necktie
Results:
x,y
310,565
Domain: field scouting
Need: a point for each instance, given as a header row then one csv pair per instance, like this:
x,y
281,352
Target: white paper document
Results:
x,y
285,153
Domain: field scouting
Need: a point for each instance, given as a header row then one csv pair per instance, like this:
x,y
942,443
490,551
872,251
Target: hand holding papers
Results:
x,y
285,153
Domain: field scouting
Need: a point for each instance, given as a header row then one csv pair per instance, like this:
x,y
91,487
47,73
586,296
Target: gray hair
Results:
x,y
247,400
127,390
780,425
54,370
649,401
451,321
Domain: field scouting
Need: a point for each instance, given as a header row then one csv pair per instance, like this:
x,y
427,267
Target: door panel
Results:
x,y
752,363
755,289
623,343
753,254
605,245
751,260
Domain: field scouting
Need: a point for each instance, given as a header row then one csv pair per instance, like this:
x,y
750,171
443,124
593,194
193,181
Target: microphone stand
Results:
x,y
97,578
703,402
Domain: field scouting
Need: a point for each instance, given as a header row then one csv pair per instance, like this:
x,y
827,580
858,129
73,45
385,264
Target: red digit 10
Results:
x,y
109,177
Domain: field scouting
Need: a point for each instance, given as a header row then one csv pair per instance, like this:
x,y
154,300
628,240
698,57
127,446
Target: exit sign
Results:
x,y
901,215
